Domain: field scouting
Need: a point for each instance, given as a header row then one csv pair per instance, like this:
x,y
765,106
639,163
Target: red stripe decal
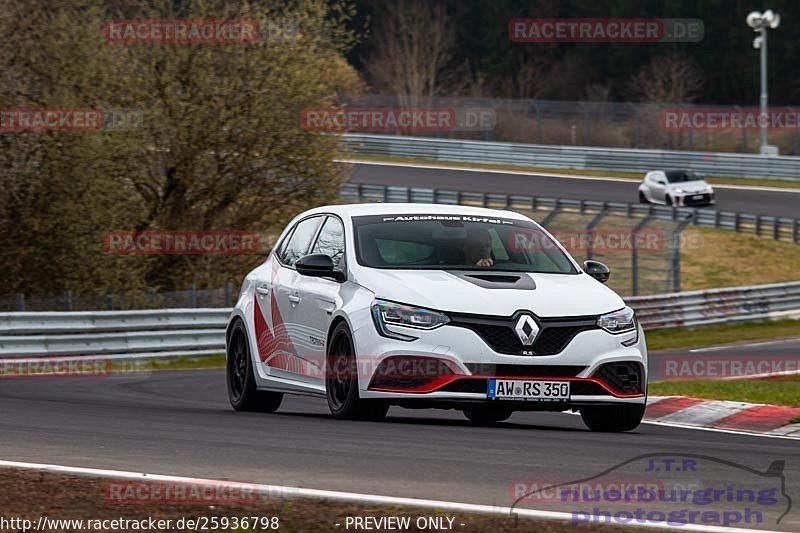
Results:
x,y
264,337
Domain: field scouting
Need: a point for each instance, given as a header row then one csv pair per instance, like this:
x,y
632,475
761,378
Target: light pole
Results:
x,y
761,22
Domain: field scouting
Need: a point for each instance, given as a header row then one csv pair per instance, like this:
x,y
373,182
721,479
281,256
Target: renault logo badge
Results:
x,y
526,329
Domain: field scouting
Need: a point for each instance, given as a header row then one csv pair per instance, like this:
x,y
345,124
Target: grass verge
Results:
x,y
633,176
723,258
784,391
676,338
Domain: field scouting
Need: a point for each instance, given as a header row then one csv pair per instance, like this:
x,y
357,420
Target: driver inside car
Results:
x,y
478,248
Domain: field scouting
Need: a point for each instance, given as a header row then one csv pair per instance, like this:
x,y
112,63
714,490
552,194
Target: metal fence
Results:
x,y
587,123
637,268
574,157
176,332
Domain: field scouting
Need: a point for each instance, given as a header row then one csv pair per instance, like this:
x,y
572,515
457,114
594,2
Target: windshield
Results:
x,y
457,242
680,176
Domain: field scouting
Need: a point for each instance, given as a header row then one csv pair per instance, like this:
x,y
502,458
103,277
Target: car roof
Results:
x,y
353,210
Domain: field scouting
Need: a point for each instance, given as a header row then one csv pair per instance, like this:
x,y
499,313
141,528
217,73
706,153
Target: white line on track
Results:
x,y
718,430
295,492
748,345
430,166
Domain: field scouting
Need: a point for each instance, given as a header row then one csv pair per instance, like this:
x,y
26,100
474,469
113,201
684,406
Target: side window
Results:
x,y
331,241
300,240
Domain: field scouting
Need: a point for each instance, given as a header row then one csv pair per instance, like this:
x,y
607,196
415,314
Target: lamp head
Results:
x,y
754,19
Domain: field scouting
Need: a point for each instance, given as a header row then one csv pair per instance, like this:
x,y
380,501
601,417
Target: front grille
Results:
x,y
539,371
624,377
499,334
473,385
688,200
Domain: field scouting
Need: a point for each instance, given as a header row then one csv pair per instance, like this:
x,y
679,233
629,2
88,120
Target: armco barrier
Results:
x,y
778,228
734,304
576,157
175,332
145,333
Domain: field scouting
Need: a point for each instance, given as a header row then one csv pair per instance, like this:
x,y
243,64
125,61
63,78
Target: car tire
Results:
x,y
613,418
643,199
484,415
341,381
242,391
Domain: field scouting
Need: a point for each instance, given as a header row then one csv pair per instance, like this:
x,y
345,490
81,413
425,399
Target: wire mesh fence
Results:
x,y
565,123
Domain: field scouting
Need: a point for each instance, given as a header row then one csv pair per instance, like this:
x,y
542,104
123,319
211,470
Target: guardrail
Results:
x,y
143,333
736,304
779,228
177,332
576,157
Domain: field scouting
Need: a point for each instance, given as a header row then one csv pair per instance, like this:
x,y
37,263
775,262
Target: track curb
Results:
x,y
725,415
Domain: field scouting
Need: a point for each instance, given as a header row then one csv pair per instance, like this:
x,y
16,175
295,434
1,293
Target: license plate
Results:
x,y
526,389
697,197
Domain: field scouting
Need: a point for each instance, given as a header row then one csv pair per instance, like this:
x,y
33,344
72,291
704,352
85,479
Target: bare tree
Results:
x,y
597,92
528,81
219,144
413,42
669,78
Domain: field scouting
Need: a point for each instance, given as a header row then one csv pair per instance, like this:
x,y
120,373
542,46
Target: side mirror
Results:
x,y
597,270
661,182
318,265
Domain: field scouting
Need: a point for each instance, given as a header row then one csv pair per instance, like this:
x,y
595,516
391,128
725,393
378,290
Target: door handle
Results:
x,y
294,298
262,289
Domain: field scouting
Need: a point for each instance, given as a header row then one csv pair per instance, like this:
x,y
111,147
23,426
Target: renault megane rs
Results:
x,y
432,306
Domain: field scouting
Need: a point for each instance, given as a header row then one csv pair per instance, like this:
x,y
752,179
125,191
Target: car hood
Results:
x,y
690,186
554,295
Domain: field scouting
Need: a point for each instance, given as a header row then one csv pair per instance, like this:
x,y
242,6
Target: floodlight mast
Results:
x,y
760,22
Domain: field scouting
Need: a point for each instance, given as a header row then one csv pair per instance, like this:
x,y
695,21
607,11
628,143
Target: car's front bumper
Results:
x,y
697,199
469,362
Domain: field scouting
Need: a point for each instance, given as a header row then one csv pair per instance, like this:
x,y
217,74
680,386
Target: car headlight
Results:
x,y
385,313
678,190
620,321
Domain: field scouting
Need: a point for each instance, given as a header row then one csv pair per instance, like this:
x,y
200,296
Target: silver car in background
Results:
x,y
675,187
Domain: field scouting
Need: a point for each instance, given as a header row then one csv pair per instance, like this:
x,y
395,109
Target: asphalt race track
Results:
x,y
179,422
782,353
772,203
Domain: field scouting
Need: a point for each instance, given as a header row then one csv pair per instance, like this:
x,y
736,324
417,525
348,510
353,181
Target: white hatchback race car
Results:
x,y
676,187
431,306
